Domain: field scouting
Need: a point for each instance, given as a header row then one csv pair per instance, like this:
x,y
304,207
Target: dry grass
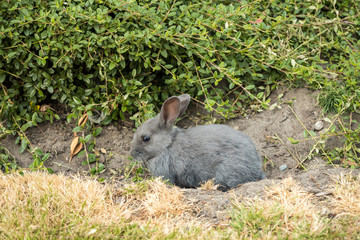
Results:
x,y
287,211
297,206
51,205
347,195
151,201
43,206
37,202
82,197
209,185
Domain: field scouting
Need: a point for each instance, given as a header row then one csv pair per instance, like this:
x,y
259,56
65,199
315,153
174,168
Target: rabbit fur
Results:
x,y
189,157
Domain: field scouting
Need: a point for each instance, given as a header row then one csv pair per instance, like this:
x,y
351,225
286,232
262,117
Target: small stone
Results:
x,y
113,171
236,128
318,125
283,167
320,194
102,159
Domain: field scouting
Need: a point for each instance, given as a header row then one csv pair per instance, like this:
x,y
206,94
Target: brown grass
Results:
x,y
47,206
151,201
53,200
80,196
346,193
286,211
209,185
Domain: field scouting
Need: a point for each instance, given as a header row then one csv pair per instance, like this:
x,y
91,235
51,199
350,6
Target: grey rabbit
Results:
x,y
189,157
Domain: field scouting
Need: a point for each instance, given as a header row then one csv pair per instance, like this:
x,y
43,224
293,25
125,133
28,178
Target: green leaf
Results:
x,y
25,126
11,55
45,157
97,131
23,146
232,85
312,133
305,134
333,129
77,100
101,167
2,77
81,153
87,137
77,129
112,66
32,92
38,152
34,117
106,121
293,141
249,87
164,53
211,102
260,95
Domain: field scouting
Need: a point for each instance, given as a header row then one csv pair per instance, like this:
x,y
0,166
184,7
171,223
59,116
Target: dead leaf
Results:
x,y
103,150
257,21
97,153
352,163
113,171
43,108
127,215
75,147
83,120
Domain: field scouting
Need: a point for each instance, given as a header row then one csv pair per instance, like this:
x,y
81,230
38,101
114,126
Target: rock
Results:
x,y
283,167
320,194
318,125
102,159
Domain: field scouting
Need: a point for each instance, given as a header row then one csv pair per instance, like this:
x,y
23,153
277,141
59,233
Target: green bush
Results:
x,y
128,56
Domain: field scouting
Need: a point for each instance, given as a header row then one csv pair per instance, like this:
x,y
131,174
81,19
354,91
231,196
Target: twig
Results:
x,y
299,162
10,73
312,137
61,165
168,13
86,153
31,146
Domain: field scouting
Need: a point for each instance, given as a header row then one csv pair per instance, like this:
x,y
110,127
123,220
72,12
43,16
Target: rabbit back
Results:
x,y
206,152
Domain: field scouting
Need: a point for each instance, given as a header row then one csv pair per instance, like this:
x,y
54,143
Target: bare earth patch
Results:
x,y
269,130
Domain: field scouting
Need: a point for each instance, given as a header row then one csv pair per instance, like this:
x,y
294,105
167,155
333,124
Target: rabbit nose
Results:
x,y
133,151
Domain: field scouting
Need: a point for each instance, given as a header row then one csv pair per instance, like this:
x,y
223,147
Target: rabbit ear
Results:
x,y
184,103
170,111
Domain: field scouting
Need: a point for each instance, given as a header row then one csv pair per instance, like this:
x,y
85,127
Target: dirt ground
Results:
x,y
269,129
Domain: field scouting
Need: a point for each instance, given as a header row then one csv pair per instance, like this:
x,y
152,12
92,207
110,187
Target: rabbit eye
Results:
x,y
146,139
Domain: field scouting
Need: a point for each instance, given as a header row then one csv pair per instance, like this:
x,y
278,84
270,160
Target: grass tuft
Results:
x,y
209,185
347,195
43,206
289,211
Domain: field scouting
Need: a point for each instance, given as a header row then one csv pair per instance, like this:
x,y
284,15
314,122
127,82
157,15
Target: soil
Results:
x,y
269,129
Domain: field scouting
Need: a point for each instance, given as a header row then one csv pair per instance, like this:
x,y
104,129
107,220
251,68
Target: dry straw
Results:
x,y
52,204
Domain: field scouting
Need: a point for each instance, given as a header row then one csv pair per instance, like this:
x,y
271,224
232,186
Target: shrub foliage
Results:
x,y
127,56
